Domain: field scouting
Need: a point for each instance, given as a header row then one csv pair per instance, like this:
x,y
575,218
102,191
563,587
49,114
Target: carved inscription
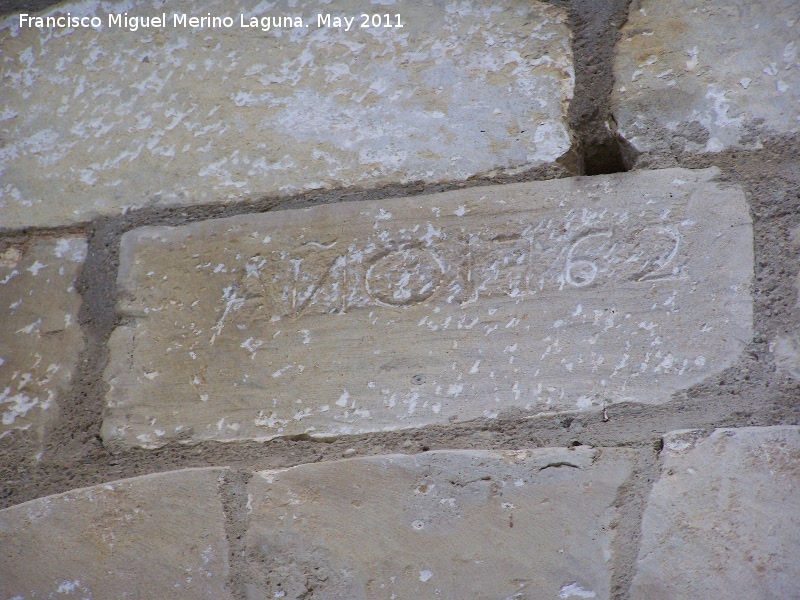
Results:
x,y
368,316
399,269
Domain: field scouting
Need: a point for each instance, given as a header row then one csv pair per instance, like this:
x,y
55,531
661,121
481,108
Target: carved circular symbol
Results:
x,y
404,277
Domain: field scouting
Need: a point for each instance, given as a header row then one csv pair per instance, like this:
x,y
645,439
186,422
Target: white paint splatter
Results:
x,y
67,587
18,405
342,401
252,345
574,590
35,268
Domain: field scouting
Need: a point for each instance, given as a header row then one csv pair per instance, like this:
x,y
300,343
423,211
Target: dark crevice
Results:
x,y
595,29
611,155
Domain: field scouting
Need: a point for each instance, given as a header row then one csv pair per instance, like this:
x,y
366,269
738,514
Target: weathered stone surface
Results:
x,y
786,346
95,122
724,519
369,316
705,76
156,536
40,339
449,524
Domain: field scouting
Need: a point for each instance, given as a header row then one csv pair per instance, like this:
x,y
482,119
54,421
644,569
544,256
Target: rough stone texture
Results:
x,y
156,536
370,316
109,120
786,346
449,524
40,339
758,387
701,77
724,519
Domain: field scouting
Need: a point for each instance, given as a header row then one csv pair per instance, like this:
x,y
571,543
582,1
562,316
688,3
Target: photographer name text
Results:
x,y
186,21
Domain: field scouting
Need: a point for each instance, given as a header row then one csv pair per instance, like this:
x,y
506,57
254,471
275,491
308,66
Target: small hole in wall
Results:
x,y
603,159
612,154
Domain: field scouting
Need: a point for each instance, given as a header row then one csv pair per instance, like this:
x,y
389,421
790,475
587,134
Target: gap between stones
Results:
x,y
595,28
630,503
233,495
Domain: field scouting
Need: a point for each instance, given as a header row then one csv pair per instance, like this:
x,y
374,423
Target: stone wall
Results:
x,y
502,303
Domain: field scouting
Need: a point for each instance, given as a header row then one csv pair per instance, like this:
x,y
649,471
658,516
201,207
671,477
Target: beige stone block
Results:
x,y
724,519
703,76
40,339
155,536
564,295
447,524
100,121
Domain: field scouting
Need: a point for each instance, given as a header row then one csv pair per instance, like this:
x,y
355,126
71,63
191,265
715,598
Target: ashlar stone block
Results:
x,y
723,520
155,536
705,76
563,295
96,122
530,524
40,339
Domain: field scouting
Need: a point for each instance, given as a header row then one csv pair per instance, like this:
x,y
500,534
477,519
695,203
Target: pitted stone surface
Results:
x,y
724,519
705,76
156,536
40,338
108,120
446,524
369,316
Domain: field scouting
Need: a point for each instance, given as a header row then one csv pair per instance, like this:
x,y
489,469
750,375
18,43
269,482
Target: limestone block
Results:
x,y
562,295
40,339
705,76
99,121
156,536
448,524
724,519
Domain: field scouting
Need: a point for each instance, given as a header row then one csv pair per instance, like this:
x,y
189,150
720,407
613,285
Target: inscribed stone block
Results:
x,y
563,295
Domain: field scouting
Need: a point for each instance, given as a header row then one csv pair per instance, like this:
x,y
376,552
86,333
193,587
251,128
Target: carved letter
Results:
x,y
404,277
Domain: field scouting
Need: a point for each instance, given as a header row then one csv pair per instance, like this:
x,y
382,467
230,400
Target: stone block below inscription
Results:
x,y
723,521
155,536
535,524
371,316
